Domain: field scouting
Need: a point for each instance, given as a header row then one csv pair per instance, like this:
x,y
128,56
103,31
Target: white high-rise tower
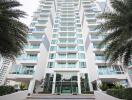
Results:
x,y
63,55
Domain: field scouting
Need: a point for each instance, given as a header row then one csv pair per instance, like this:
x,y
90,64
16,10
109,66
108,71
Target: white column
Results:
x,y
53,85
99,82
90,86
79,85
129,80
31,86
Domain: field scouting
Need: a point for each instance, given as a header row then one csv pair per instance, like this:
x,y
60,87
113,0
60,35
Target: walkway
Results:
x,y
61,97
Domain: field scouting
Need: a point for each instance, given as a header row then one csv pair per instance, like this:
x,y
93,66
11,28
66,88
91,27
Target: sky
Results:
x,y
29,6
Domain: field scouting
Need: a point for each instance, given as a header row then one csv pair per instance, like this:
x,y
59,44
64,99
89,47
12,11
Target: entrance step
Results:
x,y
61,97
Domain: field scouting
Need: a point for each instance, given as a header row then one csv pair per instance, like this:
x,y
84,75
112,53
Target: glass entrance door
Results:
x,y
66,83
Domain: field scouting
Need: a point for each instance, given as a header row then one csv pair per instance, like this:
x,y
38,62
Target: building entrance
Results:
x,y
66,83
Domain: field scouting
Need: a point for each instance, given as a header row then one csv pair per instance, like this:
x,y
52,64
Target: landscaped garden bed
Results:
x,y
125,93
6,90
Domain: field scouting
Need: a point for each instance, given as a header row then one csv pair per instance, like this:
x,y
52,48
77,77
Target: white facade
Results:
x,y
62,55
5,65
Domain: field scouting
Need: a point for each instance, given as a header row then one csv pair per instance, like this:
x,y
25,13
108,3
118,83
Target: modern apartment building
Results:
x,y
62,55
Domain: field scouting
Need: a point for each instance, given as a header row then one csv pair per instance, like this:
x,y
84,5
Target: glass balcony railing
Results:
x,y
108,71
22,71
100,58
67,49
130,63
71,56
38,31
68,42
98,37
66,65
27,58
31,47
34,37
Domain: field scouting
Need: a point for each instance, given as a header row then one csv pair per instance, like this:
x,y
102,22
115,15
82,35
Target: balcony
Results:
x,y
66,66
21,73
67,36
32,38
98,49
69,43
67,58
38,31
97,38
130,65
27,59
31,48
109,73
69,50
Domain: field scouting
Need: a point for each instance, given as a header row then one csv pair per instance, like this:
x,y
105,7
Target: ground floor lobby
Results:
x,y
66,83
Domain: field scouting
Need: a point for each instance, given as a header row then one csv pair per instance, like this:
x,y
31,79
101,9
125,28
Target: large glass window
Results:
x,y
71,55
107,70
84,83
71,65
48,83
100,57
53,41
53,48
61,65
81,55
55,35
80,41
52,56
79,35
82,64
66,82
80,48
51,64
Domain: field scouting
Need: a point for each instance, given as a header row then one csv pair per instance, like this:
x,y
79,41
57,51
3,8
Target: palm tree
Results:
x,y
12,32
118,27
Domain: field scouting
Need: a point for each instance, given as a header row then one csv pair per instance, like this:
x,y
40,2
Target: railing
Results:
x,y
109,71
27,58
31,47
22,71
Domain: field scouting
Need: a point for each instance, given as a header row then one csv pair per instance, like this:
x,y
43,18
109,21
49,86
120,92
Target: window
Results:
x,y
80,41
52,56
53,48
71,55
71,65
79,35
100,57
55,35
61,65
53,41
81,56
51,64
82,64
81,48
55,30
62,55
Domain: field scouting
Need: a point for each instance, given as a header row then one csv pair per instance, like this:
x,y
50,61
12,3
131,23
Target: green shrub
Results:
x,y
6,90
121,93
105,86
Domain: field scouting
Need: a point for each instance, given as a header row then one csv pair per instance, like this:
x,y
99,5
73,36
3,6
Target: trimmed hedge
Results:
x,y
121,93
6,90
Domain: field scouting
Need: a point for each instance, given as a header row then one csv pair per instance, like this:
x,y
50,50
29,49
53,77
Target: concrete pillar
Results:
x,y
79,85
31,86
99,82
90,86
129,80
53,85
